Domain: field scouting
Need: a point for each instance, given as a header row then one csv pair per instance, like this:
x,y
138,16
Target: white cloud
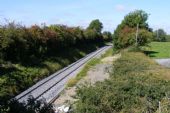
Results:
x,y
120,7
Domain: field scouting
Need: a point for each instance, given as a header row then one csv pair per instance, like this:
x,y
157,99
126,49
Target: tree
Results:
x,y
144,37
107,35
160,35
124,35
168,38
136,17
90,34
96,25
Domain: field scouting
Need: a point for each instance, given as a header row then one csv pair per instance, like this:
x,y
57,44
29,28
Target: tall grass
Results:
x,y
83,72
73,81
135,86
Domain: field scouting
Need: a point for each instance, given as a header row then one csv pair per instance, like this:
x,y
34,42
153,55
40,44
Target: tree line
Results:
x,y
161,36
20,44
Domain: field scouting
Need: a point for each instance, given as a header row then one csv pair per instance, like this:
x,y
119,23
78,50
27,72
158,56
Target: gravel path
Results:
x,y
100,72
163,62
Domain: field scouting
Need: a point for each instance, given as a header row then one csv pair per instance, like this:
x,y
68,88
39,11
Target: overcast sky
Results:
x,y
81,12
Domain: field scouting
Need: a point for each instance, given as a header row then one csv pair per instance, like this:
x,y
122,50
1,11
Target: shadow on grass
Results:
x,y
150,53
70,54
7,70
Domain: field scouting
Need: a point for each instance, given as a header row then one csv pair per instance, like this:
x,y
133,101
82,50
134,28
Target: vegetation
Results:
x,y
96,25
168,38
136,85
107,35
158,50
83,72
160,35
27,44
125,34
73,81
32,106
28,54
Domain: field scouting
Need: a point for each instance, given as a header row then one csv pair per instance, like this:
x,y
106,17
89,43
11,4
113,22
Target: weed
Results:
x,y
135,86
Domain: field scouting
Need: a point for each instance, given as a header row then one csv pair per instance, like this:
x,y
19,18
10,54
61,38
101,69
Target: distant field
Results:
x,y
159,50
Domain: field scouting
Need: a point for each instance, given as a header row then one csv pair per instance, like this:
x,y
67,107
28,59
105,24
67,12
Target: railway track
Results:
x,y
50,87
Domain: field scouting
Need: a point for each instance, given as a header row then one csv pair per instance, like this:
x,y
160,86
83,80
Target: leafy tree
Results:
x,y
90,34
96,25
144,37
13,42
107,35
136,17
168,38
125,34
160,35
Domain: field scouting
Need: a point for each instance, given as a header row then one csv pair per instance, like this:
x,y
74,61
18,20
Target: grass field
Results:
x,y
159,50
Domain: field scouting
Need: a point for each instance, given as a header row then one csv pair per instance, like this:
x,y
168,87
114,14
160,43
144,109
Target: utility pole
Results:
x,y
137,31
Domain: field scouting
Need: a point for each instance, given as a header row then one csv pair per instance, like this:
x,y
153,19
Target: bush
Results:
x,y
134,87
127,37
72,82
32,106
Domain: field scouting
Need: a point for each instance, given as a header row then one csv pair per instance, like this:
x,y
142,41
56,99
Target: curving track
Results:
x,y
50,87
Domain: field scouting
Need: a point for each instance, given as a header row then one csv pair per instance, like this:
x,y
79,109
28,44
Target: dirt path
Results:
x,y
100,72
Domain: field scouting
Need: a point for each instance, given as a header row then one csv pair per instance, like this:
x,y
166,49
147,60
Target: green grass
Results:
x,y
83,72
73,81
136,85
159,50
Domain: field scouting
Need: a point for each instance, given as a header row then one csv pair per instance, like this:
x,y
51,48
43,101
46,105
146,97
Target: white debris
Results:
x,y
66,109
62,109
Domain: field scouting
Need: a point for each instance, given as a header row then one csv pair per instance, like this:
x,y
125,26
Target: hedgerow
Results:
x,y
21,44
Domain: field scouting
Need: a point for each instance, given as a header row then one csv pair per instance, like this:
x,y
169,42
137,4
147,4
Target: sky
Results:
x,y
82,12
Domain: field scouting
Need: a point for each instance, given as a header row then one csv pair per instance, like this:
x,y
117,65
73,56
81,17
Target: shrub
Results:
x,y
31,106
133,88
72,82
